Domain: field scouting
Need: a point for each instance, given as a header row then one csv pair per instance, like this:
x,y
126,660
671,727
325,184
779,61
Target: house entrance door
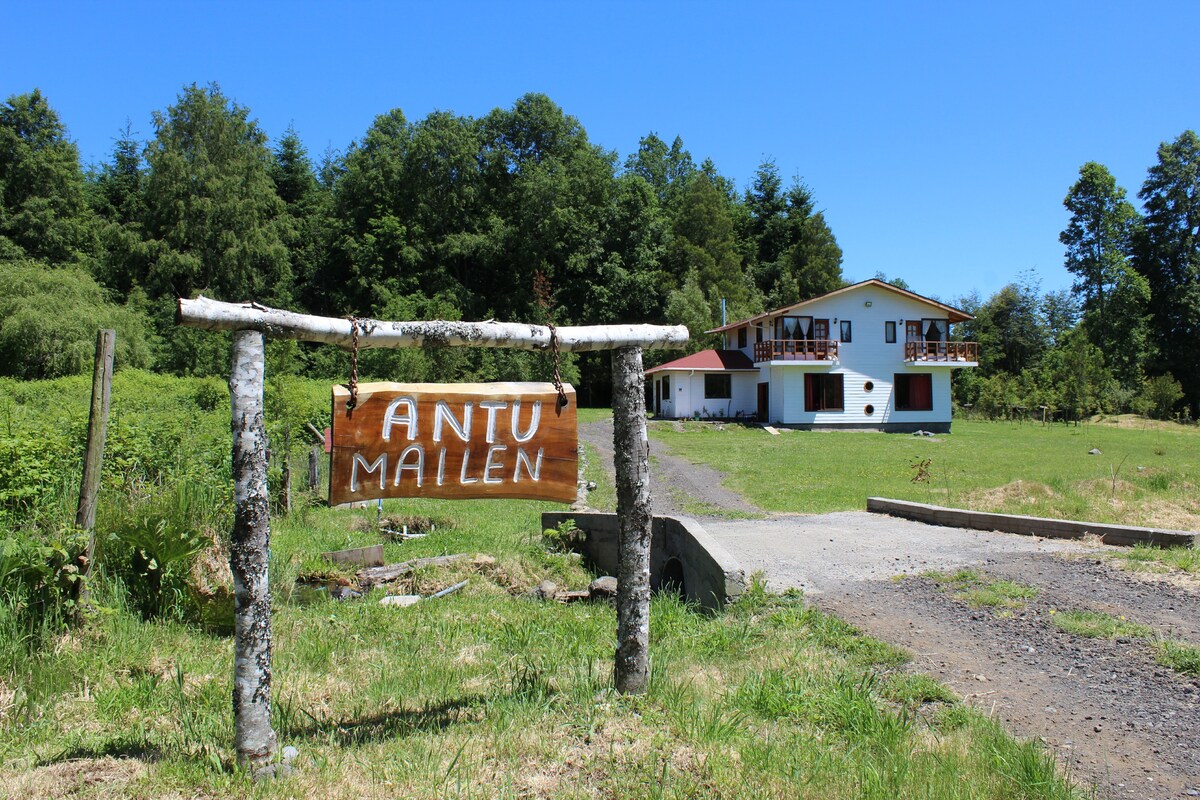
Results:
x,y
912,331
764,403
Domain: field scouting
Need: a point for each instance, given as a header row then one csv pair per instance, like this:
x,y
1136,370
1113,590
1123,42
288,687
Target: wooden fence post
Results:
x,y
248,556
632,461
314,467
85,515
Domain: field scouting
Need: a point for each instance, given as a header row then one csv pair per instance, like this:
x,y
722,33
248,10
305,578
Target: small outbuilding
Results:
x,y
708,384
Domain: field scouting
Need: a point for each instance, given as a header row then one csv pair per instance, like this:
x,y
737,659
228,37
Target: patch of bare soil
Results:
x,y
91,777
1114,716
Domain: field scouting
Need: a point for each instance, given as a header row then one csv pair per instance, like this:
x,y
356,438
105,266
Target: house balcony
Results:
x,y
942,352
796,350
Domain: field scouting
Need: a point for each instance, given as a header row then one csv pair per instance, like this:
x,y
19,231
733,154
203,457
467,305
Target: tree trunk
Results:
x,y
253,736
85,516
632,460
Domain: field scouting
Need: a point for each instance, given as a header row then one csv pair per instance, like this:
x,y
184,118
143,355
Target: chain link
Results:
x,y
562,395
353,402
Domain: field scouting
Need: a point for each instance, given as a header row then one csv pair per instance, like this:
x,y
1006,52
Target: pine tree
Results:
x,y
1168,255
43,198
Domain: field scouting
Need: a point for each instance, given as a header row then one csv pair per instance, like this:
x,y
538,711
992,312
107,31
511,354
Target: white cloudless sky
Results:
x,y
939,138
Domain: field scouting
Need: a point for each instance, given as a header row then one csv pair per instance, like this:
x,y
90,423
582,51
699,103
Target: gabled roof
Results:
x,y
711,361
952,313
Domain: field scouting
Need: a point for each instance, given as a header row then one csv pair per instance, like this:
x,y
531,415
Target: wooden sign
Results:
x,y
457,440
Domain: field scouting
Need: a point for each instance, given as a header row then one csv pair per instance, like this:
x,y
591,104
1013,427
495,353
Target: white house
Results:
x,y
870,355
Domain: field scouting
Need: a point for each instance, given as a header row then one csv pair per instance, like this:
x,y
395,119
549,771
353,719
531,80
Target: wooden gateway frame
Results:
x,y
250,323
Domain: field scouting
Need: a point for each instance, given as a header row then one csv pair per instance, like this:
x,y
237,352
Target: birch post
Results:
x,y
254,737
631,449
85,516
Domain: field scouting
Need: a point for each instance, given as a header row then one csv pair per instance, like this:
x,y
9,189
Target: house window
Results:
x,y
935,329
666,387
889,332
741,338
845,330
914,392
718,387
823,393
795,328
758,333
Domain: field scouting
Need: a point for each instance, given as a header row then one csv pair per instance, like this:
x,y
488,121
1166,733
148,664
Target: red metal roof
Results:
x,y
714,360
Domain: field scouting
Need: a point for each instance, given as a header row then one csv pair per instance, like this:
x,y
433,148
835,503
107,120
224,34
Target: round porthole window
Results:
x,y
870,410
869,386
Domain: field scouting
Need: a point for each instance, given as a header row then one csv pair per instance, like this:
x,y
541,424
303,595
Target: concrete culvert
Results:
x,y
671,579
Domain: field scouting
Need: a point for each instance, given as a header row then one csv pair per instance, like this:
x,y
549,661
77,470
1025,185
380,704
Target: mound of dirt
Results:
x,y
1029,493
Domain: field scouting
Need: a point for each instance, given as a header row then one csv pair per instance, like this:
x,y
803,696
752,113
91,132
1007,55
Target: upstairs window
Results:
x,y
718,387
889,332
845,330
741,338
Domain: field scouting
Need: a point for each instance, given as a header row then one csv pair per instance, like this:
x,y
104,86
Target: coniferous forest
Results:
x,y
517,215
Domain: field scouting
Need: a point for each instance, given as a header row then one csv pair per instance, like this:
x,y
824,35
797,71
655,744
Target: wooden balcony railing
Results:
x,y
796,350
941,351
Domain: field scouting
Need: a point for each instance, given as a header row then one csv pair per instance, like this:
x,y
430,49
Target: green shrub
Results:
x,y
49,318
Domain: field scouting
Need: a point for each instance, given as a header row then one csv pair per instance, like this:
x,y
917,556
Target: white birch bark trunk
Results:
x,y
632,461
214,315
254,738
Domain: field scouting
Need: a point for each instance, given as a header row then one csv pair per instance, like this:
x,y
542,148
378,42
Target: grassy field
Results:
x,y
488,693
484,693
1147,473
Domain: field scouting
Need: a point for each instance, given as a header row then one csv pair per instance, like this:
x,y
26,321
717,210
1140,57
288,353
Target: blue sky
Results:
x,y
939,138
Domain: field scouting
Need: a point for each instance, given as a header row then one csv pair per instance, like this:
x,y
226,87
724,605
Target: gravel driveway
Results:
x,y
1113,716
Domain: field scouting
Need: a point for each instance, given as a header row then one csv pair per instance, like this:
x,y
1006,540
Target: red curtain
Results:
x,y
920,392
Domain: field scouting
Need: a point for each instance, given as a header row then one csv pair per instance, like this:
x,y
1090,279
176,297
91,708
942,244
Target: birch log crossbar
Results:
x,y
459,441
214,315
249,555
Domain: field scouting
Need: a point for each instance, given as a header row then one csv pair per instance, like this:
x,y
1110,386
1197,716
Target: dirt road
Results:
x,y
1114,717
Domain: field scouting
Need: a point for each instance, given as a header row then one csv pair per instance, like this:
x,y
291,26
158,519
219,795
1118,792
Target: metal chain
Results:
x,y
353,402
557,379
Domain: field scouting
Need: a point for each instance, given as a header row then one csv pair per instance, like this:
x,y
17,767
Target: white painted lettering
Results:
x,y
441,476
535,418
462,475
534,470
492,407
442,413
491,466
418,467
379,463
409,417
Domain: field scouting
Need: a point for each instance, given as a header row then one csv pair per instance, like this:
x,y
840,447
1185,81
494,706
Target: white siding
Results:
x,y
687,394
867,357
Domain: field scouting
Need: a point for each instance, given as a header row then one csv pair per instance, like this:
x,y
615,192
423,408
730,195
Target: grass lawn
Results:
x,y
488,693
992,466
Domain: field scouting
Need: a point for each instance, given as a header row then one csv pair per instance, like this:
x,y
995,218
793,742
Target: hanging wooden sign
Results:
x,y
458,440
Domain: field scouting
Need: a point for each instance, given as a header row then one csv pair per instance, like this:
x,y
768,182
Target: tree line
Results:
x,y
1126,336
517,215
